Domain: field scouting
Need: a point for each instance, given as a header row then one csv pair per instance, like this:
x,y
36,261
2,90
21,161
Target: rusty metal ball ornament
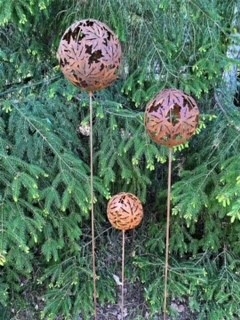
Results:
x,y
124,211
171,118
89,55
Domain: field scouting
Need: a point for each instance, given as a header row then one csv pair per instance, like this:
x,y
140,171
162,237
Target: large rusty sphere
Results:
x,y
171,118
124,211
89,55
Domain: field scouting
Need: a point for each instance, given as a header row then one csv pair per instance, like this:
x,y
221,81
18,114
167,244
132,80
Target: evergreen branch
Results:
x,y
209,16
55,151
30,85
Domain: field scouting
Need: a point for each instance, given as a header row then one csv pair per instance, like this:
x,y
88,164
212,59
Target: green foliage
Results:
x,y
184,281
185,57
44,159
127,149
208,284
70,288
212,185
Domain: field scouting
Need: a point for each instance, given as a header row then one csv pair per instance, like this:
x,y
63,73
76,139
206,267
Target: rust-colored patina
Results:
x,y
89,55
124,211
171,118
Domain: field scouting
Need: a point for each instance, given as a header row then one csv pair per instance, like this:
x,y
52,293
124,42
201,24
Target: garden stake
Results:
x,y
123,271
124,212
92,207
171,119
167,235
89,55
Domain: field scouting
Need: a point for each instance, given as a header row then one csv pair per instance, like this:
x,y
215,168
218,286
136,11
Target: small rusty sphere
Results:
x,y
171,118
124,211
89,55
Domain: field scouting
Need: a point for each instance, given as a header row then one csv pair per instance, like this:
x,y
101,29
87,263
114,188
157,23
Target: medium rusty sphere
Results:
x,y
171,118
89,55
124,211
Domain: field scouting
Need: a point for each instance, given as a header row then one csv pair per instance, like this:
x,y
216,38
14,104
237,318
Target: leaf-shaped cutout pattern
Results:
x,y
171,118
89,55
124,211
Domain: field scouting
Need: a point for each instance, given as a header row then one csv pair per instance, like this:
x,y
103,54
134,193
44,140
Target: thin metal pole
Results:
x,y
123,277
92,207
167,235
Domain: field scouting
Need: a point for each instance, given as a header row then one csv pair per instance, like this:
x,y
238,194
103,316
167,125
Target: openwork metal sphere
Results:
x,y
124,211
171,118
89,55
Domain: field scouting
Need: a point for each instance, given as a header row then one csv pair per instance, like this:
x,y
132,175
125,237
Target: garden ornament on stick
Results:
x,y
171,119
89,55
125,212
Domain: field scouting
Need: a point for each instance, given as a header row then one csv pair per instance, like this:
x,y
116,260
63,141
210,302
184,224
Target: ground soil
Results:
x,y
135,308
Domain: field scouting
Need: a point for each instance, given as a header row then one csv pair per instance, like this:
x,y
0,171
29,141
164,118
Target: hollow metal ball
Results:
x,y
171,118
124,211
89,55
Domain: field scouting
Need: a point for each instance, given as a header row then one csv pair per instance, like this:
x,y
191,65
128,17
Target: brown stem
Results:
x,y
92,207
167,235
123,266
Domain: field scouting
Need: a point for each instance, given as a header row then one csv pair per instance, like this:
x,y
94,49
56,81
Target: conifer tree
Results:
x,y
44,157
